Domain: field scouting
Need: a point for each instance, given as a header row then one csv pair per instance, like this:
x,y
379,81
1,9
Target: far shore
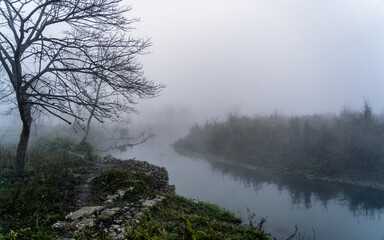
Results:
x,y
343,179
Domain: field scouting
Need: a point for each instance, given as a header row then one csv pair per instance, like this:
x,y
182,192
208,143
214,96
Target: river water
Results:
x,y
333,210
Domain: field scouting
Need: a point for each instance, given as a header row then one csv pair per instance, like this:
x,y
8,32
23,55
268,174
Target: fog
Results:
x,y
288,97
257,57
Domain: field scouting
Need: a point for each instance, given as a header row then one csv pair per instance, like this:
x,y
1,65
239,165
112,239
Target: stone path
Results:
x,y
113,216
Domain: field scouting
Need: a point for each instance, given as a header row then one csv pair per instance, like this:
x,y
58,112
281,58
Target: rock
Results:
x,y
83,212
122,192
86,223
159,173
153,202
112,197
107,213
149,203
115,226
58,225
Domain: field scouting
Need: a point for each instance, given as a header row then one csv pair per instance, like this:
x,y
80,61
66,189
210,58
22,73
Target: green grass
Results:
x,y
40,197
6,157
112,180
30,203
46,192
181,218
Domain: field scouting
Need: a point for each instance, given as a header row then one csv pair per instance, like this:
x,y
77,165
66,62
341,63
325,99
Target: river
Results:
x,y
333,210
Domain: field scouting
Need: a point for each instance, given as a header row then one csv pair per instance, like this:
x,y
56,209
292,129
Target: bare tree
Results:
x,y
117,137
51,71
98,84
99,93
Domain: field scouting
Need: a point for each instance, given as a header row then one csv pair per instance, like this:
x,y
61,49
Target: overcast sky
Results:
x,y
258,56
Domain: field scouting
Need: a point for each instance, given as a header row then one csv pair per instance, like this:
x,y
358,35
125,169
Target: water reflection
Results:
x,y
334,210
305,192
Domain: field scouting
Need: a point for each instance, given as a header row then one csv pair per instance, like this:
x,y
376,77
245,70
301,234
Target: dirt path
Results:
x,y
84,194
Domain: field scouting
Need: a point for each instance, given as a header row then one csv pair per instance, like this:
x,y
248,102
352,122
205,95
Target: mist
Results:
x,y
267,108
257,57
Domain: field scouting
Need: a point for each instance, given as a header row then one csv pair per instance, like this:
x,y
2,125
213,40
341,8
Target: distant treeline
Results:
x,y
320,144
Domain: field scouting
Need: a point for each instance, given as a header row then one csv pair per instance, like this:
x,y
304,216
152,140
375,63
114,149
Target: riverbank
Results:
x,y
354,178
346,148
74,197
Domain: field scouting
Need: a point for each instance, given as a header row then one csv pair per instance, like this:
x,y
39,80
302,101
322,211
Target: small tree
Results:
x,y
51,71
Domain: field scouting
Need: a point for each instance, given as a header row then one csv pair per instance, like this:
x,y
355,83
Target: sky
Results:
x,y
257,57
262,56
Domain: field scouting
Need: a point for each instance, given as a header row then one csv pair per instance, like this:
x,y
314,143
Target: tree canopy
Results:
x,y
54,52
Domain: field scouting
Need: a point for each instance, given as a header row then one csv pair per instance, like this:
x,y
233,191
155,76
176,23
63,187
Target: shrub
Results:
x,y
55,145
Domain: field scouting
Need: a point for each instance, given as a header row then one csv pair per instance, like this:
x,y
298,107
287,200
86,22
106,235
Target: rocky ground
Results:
x,y
112,217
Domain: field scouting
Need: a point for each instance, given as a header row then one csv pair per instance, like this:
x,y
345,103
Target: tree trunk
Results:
x,y
87,128
92,112
26,118
22,148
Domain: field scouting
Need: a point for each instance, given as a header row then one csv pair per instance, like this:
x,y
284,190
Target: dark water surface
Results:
x,y
335,211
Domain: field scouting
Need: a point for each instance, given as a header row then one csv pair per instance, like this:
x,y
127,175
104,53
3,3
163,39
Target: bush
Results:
x,y
58,145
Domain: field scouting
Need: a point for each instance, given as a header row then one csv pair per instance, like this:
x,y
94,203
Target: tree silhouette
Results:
x,y
53,51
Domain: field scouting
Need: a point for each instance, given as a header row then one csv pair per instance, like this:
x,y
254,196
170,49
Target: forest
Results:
x,y
321,144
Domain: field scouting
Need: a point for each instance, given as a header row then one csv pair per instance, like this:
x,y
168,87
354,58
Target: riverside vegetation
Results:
x,y
347,147
52,186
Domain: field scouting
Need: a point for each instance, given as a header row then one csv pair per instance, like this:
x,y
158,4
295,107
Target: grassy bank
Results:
x,y
181,218
30,203
51,186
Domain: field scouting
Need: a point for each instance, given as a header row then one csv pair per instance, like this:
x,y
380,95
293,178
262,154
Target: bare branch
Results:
x,y
91,65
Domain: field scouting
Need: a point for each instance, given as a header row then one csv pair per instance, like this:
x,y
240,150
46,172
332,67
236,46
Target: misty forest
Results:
x,y
329,145
191,119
